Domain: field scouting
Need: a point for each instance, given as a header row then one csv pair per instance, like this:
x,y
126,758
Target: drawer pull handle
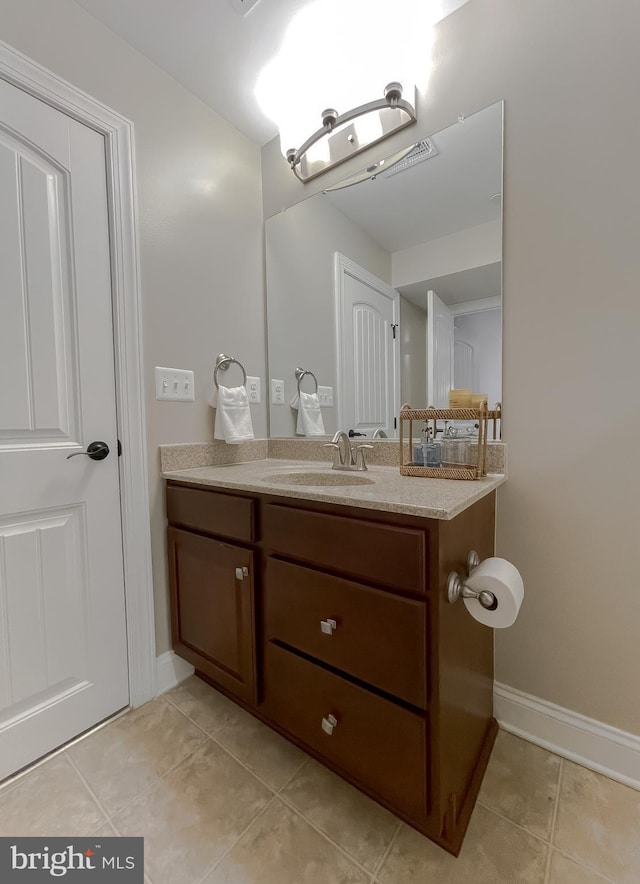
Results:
x,y
328,626
241,573
329,723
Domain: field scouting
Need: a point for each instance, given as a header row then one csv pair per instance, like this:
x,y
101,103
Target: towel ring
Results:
x,y
300,373
222,364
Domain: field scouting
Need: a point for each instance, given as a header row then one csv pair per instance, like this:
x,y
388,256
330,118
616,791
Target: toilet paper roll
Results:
x,y
502,579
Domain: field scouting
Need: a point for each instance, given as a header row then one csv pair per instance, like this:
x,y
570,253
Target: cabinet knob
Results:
x,y
329,723
328,626
241,573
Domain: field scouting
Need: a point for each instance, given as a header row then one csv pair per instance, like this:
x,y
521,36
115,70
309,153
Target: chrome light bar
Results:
x,y
343,141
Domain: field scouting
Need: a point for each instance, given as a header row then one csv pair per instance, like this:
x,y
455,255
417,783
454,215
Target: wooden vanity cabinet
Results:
x,y
212,587
341,638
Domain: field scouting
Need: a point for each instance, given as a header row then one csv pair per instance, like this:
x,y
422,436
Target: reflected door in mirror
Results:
x,y
367,310
439,352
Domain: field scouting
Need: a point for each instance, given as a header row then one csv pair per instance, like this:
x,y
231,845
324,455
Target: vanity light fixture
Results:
x,y
384,115
340,55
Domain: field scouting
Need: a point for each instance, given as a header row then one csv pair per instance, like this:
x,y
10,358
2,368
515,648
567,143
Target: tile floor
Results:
x,y
221,799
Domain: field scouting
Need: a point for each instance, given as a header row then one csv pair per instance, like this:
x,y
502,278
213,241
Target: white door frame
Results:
x,y
31,77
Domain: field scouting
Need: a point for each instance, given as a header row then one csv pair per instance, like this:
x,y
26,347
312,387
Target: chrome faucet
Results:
x,y
379,434
344,456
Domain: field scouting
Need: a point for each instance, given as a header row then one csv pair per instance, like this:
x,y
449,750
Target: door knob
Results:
x,y
241,573
328,626
95,450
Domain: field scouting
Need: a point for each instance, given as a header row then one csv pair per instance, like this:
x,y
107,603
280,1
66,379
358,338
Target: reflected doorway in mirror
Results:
x,y
367,318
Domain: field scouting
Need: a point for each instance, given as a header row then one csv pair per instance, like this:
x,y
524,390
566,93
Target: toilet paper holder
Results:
x,y
456,587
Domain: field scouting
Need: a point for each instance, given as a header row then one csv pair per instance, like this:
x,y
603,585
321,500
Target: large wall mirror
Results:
x,y
388,287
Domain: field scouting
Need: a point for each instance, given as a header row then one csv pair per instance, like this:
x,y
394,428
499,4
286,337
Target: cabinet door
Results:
x,y
212,609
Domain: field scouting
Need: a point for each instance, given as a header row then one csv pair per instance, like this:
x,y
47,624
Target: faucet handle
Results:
x,y
361,463
336,453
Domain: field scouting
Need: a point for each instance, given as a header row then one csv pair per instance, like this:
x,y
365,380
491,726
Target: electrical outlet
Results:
x,y
175,384
325,396
277,392
254,391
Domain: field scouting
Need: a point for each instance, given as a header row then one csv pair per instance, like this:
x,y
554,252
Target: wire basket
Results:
x,y
450,470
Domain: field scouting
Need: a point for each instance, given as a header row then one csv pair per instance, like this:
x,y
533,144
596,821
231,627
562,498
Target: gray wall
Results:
x,y
200,227
300,248
568,517
472,247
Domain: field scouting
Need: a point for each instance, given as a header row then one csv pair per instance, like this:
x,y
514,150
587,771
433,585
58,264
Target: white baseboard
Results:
x,y
170,671
588,742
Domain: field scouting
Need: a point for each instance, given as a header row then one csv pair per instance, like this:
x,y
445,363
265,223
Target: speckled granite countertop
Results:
x,y
388,490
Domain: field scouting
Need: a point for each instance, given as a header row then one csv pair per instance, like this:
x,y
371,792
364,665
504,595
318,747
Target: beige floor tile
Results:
x,y
128,756
51,801
566,871
265,752
282,848
193,815
521,783
360,826
107,831
494,852
203,704
598,823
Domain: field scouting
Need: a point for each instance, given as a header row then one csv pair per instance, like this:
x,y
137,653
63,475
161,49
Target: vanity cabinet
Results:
x,y
340,636
212,588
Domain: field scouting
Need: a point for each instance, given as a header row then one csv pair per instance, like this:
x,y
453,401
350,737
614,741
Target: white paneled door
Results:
x,y
367,323
63,650
440,353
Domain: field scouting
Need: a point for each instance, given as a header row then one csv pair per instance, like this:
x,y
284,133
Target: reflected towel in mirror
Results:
x,y
310,421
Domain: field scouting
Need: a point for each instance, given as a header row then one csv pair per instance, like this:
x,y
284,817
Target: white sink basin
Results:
x,y
318,478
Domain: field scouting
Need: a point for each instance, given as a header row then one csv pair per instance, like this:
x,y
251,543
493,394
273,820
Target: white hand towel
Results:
x,y
233,417
310,421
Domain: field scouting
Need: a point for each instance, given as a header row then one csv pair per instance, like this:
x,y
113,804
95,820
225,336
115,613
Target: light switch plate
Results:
x,y
254,390
325,396
175,384
277,392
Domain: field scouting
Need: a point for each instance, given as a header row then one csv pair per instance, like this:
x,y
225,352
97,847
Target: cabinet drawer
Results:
x,y
379,637
380,745
392,556
211,512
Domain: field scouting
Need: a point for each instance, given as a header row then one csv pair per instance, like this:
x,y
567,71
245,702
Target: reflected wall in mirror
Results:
x,y
389,289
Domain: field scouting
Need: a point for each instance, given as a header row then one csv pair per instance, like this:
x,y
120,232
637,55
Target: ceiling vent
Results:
x,y
243,6
421,151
